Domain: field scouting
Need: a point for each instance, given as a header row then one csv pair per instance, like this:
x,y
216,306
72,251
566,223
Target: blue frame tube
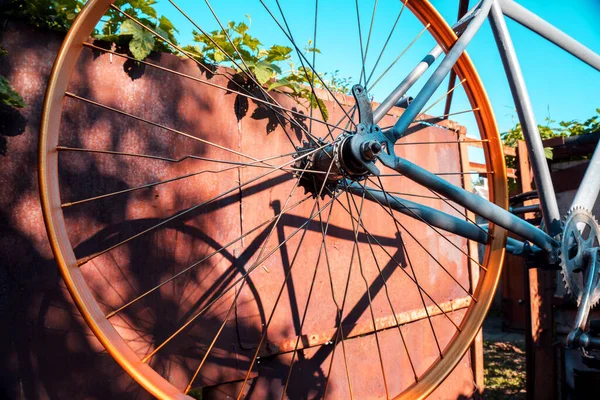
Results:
x,y
478,205
436,218
533,140
587,194
536,24
411,112
414,75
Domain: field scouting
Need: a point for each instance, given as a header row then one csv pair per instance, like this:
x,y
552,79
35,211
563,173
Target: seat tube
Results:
x,y
532,136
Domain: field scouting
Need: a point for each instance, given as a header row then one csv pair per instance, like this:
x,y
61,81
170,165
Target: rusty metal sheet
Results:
x,y
123,273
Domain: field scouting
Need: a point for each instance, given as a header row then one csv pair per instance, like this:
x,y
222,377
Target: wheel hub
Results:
x,y
351,156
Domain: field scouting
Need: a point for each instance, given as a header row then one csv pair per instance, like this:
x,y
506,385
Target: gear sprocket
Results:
x,y
308,180
581,232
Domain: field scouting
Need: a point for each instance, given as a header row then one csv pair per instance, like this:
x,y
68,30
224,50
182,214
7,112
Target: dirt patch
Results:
x,y
504,370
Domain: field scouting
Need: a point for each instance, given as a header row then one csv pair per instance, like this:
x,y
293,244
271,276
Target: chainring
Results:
x,y
581,232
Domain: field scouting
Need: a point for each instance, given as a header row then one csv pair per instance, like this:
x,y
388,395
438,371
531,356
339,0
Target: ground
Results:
x,y
504,370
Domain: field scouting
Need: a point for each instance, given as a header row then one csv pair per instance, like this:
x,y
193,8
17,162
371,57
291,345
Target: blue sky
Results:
x,y
560,86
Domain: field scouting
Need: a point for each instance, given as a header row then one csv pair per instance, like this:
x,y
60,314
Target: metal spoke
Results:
x,y
355,229
206,258
188,210
387,41
205,82
156,124
405,250
442,97
402,269
234,302
423,247
152,184
301,55
314,63
174,160
416,216
248,72
288,274
422,118
244,276
310,291
310,81
398,58
339,336
360,41
364,60
463,214
179,49
387,295
212,343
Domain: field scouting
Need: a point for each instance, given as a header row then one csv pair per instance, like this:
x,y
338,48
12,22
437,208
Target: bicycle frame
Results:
x,y
467,27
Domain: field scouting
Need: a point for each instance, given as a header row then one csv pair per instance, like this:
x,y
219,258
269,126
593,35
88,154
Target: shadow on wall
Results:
x,y
47,350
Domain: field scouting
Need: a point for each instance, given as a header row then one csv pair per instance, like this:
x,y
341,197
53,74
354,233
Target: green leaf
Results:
x,y
262,73
279,53
8,96
161,32
148,10
141,47
129,28
241,28
317,103
194,51
262,53
165,24
252,43
142,41
218,56
280,83
548,153
323,109
271,66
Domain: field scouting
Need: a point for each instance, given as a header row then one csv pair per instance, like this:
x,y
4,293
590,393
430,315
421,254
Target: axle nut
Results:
x,y
370,150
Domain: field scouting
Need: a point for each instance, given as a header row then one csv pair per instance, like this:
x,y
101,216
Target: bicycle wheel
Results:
x,y
184,205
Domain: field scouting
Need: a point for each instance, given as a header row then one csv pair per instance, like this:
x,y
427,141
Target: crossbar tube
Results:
x,y
531,21
476,204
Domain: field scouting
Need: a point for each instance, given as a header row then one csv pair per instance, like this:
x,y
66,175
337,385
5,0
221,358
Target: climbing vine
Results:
x,y
233,46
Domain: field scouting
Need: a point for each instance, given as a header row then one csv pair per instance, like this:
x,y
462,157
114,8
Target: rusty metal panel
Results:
x,y
120,275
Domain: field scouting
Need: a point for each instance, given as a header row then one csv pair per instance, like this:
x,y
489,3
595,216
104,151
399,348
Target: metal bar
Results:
x,y
436,218
463,7
440,73
590,185
414,75
516,247
549,32
532,136
478,205
365,328
525,209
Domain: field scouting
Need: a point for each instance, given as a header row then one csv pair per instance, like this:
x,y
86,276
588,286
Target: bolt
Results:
x,y
371,149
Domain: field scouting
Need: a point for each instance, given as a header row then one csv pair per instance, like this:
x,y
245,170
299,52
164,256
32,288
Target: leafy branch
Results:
x,y
550,130
8,95
233,47
236,48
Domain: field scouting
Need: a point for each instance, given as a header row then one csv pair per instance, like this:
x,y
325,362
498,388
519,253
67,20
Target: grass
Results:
x,y
504,370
